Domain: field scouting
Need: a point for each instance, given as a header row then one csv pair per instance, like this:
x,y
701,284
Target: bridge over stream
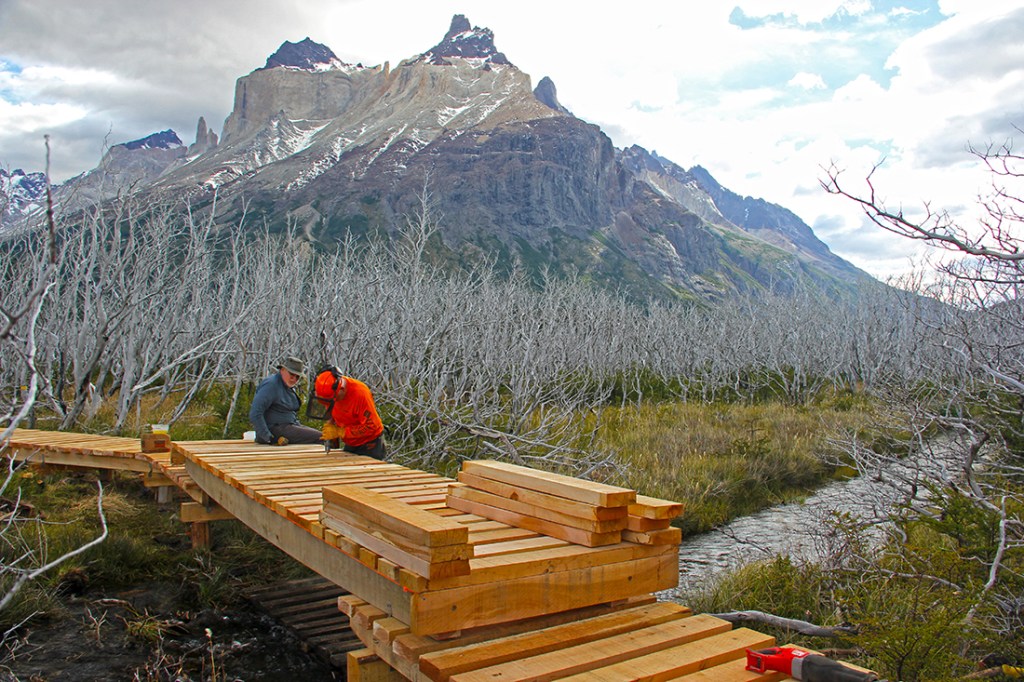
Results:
x,y
506,574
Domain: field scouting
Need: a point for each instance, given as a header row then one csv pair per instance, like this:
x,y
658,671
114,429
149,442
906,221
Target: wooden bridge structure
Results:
x,y
504,574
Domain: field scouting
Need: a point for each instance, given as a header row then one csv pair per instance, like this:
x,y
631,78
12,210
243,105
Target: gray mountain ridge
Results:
x,y
338,150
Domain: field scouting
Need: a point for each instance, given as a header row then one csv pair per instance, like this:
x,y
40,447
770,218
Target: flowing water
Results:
x,y
797,530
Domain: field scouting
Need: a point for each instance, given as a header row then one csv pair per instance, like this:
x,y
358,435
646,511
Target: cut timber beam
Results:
x,y
597,494
192,512
461,608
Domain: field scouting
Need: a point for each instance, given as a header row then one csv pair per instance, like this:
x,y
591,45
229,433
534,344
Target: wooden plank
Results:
x,y
306,548
598,494
577,535
538,512
597,654
669,664
424,567
91,461
548,560
364,665
157,480
539,499
447,552
459,608
193,511
412,646
653,508
416,525
733,671
385,630
642,524
443,664
667,536
514,546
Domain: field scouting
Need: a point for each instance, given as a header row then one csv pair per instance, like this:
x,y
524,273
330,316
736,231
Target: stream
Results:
x,y
798,530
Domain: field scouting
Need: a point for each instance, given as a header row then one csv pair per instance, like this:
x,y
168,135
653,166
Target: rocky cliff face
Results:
x,y
344,150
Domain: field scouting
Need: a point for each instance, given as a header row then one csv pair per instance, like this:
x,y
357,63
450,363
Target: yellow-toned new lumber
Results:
x,y
416,525
520,545
48,455
640,524
517,507
538,499
192,512
732,671
412,646
548,560
459,608
597,654
598,494
654,508
670,663
386,629
532,523
439,666
363,665
424,567
448,552
667,536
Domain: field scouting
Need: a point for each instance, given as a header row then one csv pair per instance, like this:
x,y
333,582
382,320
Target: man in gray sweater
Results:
x,y
275,407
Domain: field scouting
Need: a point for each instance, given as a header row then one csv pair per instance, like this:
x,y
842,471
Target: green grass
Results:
x,y
726,460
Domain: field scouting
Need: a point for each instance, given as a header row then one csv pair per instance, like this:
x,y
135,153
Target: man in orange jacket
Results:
x,y
352,414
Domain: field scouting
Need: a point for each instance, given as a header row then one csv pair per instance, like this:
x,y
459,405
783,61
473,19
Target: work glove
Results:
x,y
281,440
330,431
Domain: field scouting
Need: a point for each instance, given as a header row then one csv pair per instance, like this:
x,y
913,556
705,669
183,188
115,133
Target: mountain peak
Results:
x,y
546,93
464,41
306,55
166,139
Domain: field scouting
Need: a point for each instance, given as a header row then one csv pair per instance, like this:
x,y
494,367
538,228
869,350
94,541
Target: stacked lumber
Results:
x,y
578,511
636,639
427,544
649,522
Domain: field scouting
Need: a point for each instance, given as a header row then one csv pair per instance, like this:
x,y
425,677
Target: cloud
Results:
x,y
807,81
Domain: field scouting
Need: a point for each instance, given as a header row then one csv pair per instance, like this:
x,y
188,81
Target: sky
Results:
x,y
764,94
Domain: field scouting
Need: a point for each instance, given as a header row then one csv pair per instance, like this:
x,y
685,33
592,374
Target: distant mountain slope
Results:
x,y
341,150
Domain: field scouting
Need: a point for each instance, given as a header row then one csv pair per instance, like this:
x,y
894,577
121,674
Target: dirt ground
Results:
x,y
101,639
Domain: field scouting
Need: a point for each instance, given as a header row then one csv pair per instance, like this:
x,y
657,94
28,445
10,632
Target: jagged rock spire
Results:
x,y
305,54
465,41
546,93
206,139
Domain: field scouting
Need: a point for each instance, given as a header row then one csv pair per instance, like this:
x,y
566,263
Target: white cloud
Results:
x,y
808,81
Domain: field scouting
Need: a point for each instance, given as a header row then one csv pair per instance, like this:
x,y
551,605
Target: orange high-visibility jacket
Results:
x,y
357,414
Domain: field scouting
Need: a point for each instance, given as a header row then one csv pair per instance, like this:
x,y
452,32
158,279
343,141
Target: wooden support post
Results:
x,y
200,532
164,494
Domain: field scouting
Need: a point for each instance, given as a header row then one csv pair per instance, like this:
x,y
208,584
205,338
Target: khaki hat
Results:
x,y
293,365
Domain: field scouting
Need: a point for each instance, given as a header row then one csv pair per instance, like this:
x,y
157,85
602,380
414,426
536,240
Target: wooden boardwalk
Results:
x,y
441,593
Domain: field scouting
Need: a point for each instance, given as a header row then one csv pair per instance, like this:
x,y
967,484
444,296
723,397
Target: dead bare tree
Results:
x,y
974,351
32,280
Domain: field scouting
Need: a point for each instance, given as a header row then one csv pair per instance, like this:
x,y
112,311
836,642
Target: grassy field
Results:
x,y
729,460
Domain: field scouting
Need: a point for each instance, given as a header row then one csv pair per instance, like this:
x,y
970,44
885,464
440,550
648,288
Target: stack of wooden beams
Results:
x,y
571,509
637,639
427,544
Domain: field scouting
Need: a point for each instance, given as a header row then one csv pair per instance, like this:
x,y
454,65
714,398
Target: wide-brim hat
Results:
x,y
293,365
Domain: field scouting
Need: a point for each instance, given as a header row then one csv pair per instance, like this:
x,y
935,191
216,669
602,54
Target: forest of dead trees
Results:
x,y
138,305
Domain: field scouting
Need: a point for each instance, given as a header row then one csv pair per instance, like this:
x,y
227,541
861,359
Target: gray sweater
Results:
x,y
274,403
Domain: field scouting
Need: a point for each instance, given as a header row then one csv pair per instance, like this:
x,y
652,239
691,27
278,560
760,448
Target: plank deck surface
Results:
x,y
531,606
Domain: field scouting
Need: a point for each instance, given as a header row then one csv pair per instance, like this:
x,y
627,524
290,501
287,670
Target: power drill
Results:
x,y
804,665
